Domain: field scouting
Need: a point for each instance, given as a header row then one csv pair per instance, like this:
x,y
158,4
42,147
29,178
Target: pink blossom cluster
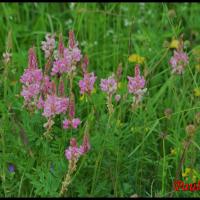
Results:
x,y
109,85
55,105
87,84
74,152
48,45
68,57
31,79
136,84
178,62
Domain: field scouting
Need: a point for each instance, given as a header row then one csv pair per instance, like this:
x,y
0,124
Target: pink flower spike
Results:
x,y
109,85
61,46
40,103
85,147
85,64
61,88
32,59
73,142
48,45
137,70
87,84
178,62
72,43
71,107
66,123
75,122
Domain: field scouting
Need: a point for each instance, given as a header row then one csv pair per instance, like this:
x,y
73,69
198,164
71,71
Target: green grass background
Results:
x,y
127,156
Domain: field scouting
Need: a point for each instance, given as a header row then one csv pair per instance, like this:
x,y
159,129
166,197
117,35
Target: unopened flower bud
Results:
x,y
190,129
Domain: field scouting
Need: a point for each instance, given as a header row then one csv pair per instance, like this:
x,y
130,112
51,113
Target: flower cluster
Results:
x,y
40,90
178,62
31,79
68,57
74,152
48,45
136,85
87,84
55,105
109,85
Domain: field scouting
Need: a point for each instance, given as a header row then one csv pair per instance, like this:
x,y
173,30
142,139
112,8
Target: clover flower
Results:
x,y
178,62
87,84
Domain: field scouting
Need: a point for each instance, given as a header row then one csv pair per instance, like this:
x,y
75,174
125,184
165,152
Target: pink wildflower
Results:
x,y
31,78
75,122
30,91
136,84
40,103
85,147
85,64
61,88
178,62
87,84
66,123
55,105
48,45
117,98
74,152
47,85
109,85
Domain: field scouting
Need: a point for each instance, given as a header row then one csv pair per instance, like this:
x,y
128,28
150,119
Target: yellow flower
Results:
x,y
187,172
174,44
136,58
197,92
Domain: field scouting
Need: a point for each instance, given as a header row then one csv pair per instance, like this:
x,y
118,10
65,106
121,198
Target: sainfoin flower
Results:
x,y
48,45
109,85
31,78
136,84
73,122
87,84
178,62
74,152
71,55
55,105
